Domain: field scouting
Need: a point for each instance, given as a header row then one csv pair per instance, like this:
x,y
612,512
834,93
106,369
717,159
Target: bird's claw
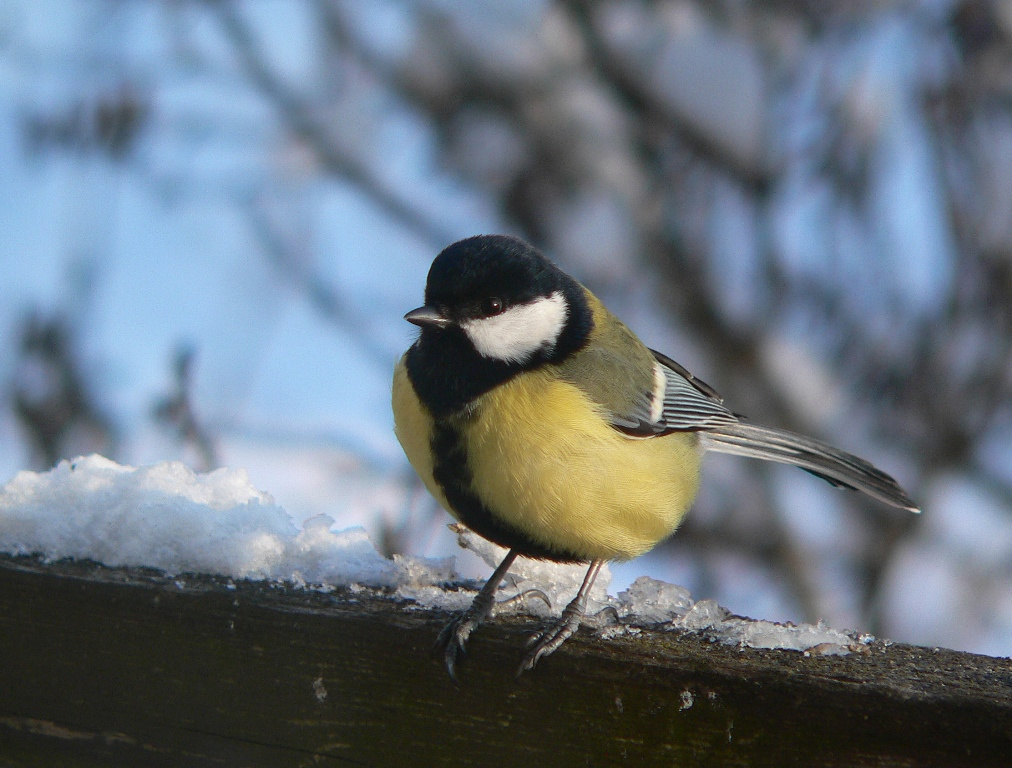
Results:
x,y
521,596
452,641
544,643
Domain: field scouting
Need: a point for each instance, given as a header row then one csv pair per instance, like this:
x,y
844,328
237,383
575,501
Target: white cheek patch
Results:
x,y
520,331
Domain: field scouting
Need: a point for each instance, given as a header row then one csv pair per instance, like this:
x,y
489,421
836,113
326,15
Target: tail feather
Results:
x,y
831,464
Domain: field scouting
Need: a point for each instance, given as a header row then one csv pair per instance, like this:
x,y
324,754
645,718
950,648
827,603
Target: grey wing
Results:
x,y
679,402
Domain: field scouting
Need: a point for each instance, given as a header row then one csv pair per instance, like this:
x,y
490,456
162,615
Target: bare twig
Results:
x,y
303,123
177,411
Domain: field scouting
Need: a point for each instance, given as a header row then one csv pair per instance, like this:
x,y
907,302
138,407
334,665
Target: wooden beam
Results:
x,y
102,666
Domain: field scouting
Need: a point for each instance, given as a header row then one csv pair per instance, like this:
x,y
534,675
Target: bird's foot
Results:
x,y
548,641
452,641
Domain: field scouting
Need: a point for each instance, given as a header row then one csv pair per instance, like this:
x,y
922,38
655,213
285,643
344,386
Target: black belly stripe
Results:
x,y
451,471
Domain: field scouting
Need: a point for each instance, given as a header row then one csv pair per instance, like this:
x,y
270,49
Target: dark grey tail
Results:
x,y
831,464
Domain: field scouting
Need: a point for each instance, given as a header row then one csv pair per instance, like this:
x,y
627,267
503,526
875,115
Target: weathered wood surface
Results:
x,y
101,666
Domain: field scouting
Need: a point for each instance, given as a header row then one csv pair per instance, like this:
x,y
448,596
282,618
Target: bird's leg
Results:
x,y
547,642
453,639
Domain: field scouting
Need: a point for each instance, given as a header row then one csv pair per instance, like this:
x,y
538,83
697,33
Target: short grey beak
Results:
x,y
428,316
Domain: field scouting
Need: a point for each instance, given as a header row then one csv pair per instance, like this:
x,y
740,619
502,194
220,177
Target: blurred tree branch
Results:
x,y
177,410
51,397
303,123
321,295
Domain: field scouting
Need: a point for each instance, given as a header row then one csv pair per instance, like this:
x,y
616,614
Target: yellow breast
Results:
x,y
544,459
413,427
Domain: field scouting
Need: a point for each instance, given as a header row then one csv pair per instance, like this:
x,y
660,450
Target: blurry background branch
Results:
x,y
177,411
304,123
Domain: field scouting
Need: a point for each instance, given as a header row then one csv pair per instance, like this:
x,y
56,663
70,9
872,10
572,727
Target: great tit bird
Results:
x,y
541,422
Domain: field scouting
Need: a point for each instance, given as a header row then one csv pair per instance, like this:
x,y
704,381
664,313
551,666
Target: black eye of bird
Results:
x,y
492,306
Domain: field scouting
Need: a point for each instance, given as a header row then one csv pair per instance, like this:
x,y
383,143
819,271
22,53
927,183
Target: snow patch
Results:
x,y
168,517
718,624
